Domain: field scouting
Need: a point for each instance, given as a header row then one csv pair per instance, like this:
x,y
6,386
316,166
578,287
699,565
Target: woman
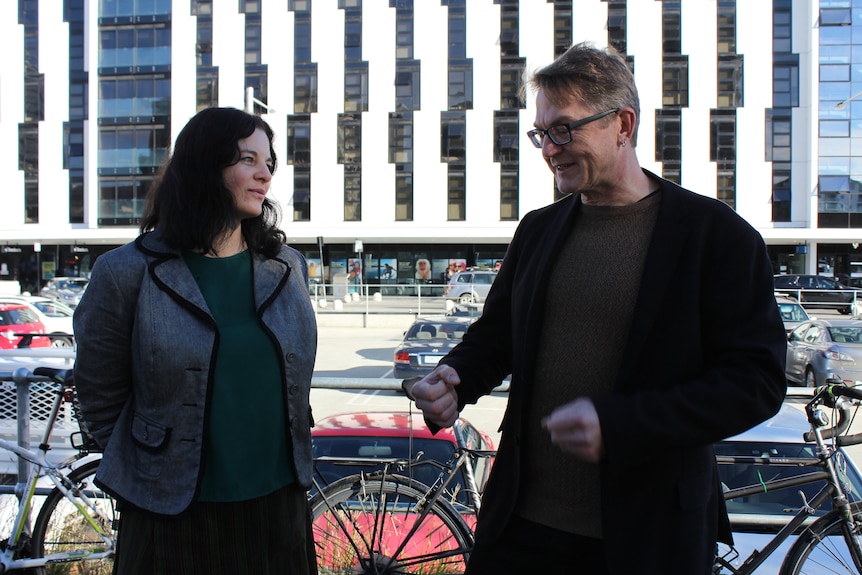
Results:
x,y
196,345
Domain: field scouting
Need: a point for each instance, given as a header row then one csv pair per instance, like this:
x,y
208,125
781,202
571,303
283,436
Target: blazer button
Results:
x,y
294,389
291,357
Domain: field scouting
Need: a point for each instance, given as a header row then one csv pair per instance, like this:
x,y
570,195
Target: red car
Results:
x,y
346,540
17,321
391,434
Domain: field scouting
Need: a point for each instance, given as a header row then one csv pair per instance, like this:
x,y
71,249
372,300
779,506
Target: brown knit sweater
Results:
x,y
590,303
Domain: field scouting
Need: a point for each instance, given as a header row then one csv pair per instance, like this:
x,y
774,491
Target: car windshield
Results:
x,y
846,334
71,284
425,331
377,447
792,312
760,462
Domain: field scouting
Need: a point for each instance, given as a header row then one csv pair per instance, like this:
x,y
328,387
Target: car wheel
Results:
x,y
844,310
466,298
61,342
810,380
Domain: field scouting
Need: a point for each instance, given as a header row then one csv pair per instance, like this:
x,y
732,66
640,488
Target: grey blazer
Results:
x,y
146,351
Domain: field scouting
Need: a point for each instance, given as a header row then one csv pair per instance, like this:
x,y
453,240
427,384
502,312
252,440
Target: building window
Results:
x,y
204,46
508,27
407,85
835,17
726,24
461,85
722,136
400,138
207,88
457,29
353,36
302,38
506,136
138,96
256,79
453,137
616,26
509,193
511,94
350,155
121,199
668,143
404,31
785,81
456,194
302,194
726,185
404,192
305,89
356,87
782,29
730,81
778,146
352,193
675,81
298,140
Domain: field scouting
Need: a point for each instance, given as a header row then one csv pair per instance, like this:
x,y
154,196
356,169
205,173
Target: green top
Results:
x,y
248,452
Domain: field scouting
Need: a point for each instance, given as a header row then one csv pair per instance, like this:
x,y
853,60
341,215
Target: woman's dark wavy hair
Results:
x,y
189,202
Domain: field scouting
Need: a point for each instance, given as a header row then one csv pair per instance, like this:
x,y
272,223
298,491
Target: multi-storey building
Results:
x,y
401,123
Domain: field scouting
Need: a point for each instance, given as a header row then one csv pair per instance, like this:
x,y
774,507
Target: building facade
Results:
x,y
400,124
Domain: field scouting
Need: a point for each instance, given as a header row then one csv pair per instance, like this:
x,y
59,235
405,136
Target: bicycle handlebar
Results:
x,y
830,394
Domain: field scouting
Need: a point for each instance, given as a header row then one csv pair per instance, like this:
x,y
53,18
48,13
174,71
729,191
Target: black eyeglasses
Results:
x,y
561,134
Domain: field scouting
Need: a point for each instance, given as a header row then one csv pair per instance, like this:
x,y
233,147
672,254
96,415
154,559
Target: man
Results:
x,y
638,322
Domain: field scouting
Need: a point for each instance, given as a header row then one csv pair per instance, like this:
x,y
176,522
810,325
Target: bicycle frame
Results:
x,y
41,467
832,490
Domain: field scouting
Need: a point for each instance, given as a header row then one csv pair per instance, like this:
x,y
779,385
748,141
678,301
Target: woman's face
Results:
x,y
249,178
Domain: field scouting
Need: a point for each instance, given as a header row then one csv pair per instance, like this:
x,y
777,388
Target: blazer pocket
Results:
x,y
148,434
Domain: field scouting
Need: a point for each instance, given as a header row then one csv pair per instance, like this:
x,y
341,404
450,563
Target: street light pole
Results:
x,y
250,101
841,105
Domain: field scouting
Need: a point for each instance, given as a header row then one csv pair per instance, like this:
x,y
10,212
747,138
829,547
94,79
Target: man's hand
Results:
x,y
575,428
435,395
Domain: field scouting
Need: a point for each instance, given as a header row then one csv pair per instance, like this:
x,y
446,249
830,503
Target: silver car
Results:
x,y
66,290
822,348
470,286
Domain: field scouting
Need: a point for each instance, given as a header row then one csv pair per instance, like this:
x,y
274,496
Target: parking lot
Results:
x,y
357,355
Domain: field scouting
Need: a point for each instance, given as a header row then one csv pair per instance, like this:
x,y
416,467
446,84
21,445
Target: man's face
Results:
x,y
588,162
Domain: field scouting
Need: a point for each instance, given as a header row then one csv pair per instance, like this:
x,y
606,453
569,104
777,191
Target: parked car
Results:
x,y
821,348
756,518
66,290
393,434
56,317
792,314
470,286
426,342
817,292
466,310
17,321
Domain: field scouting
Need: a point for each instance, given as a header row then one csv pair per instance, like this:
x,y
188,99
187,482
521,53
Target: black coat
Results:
x,y
704,361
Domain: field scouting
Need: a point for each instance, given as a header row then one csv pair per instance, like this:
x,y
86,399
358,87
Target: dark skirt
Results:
x,y
270,535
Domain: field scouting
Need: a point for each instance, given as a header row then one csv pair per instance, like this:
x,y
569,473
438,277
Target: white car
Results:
x,y
56,317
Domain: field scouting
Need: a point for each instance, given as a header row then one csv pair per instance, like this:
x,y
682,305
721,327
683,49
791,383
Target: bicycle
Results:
x,y
831,543
387,522
77,521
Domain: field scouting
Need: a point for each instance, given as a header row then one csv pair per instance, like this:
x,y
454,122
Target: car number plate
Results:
x,y
430,359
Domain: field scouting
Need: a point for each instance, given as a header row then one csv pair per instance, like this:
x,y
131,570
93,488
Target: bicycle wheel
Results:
x,y
382,526
823,548
60,527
